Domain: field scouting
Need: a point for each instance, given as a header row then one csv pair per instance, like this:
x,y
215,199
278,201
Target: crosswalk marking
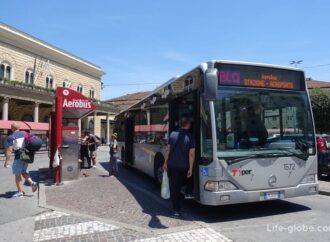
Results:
x,y
50,215
202,234
72,230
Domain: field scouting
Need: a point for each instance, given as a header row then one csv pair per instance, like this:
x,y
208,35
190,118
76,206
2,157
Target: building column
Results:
x,y
94,120
5,108
79,125
107,130
36,112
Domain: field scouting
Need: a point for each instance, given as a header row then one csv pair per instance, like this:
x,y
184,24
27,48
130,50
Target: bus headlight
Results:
x,y
215,186
226,185
309,179
212,186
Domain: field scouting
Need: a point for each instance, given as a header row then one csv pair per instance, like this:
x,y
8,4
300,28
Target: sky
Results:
x,y
141,44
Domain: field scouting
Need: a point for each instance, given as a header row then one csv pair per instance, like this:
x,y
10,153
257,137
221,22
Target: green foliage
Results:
x,y
320,100
24,85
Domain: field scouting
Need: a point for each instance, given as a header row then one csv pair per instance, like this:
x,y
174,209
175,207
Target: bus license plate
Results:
x,y
272,195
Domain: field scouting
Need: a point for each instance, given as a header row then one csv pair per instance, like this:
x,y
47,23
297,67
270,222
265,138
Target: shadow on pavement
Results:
x,y
209,214
225,213
7,195
143,189
44,176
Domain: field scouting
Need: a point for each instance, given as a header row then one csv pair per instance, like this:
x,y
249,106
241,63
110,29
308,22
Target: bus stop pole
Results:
x,y
58,120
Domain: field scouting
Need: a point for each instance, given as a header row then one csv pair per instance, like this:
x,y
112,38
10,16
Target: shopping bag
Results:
x,y
56,161
165,190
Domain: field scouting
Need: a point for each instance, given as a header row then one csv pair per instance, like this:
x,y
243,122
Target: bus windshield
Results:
x,y
259,121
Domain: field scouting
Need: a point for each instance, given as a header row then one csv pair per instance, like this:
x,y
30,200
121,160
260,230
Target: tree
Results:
x,y
320,100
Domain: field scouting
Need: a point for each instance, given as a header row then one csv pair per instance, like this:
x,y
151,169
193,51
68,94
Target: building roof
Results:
x,y
13,36
124,102
311,84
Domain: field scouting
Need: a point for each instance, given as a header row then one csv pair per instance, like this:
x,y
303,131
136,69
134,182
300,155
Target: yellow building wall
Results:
x,y
20,60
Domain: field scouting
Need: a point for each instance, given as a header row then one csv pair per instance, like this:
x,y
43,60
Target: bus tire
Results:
x,y
158,167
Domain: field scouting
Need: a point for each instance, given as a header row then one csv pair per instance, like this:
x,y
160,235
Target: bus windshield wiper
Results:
x,y
269,154
302,156
247,157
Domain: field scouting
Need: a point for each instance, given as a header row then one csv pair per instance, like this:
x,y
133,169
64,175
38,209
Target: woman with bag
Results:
x,y
113,166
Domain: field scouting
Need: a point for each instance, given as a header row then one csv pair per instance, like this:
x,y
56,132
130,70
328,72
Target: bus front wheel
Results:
x,y
158,167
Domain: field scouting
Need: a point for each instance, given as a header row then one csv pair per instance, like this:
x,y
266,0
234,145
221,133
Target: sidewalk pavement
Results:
x,y
17,214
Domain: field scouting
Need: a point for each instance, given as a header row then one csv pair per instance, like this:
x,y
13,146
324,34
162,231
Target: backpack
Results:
x,y
32,143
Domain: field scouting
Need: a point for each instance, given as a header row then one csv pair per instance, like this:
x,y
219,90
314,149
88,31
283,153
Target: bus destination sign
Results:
x,y
261,77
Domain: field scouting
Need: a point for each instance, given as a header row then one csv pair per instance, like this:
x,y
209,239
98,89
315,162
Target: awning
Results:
x,y
38,126
6,124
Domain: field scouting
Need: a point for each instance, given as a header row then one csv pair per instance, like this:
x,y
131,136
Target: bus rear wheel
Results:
x,y
158,167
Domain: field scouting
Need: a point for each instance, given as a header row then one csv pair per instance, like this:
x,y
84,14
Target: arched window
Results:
x,y
80,88
27,118
92,93
29,76
91,125
49,82
46,119
5,70
66,83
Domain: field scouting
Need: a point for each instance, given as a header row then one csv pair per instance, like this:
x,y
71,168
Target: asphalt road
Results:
x,y
282,220
297,219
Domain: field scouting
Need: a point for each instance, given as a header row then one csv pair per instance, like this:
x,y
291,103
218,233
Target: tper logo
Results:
x,y
239,172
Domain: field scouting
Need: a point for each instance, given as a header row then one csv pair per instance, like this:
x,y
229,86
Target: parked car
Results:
x,y
323,149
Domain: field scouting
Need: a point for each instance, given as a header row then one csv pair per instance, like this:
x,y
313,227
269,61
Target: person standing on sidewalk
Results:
x,y
15,142
113,166
179,162
92,148
84,153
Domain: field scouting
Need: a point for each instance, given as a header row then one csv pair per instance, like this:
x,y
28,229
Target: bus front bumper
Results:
x,y
240,196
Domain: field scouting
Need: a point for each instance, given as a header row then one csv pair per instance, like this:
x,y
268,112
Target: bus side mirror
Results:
x,y
211,84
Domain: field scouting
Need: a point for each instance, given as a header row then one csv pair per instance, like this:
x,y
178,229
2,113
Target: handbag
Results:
x,y
165,189
26,156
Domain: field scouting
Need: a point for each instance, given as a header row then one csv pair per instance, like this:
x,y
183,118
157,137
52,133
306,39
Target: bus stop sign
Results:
x,y
69,108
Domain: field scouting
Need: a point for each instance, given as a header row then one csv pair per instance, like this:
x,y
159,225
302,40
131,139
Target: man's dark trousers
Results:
x,y
177,178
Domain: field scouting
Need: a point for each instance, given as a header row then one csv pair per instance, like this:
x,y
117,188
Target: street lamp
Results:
x,y
296,63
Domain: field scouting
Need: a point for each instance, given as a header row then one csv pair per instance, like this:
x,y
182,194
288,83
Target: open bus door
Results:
x,y
129,140
188,106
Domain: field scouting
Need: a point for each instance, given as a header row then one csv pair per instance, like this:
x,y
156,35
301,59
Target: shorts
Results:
x,y
93,154
19,167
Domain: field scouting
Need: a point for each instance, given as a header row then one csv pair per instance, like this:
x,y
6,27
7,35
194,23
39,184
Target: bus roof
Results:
x,y
203,66
255,64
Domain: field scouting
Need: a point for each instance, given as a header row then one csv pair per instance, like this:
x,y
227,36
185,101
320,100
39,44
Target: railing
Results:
x,y
20,84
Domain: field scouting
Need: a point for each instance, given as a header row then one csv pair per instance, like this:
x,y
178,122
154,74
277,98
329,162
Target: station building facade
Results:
x,y
30,72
